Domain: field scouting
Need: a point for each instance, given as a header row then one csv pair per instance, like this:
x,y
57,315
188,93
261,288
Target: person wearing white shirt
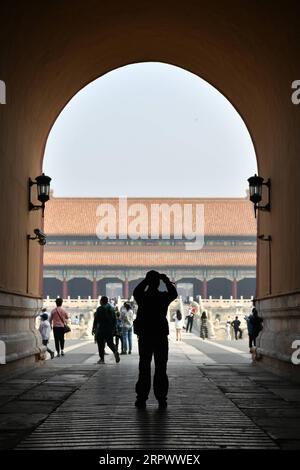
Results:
x,y
45,330
228,328
177,317
127,318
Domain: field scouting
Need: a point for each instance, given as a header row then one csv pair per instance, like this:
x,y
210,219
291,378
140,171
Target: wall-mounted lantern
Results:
x,y
43,191
256,184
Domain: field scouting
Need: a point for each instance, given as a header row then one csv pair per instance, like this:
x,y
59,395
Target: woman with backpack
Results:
x,y
178,324
254,324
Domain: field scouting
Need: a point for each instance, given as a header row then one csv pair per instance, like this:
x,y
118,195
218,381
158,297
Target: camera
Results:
x,y
41,236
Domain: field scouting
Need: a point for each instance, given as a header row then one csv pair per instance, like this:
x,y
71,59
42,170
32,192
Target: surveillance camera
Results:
x,y
39,233
41,236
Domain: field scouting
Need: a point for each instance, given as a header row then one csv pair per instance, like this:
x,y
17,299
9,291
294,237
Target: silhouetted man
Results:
x,y
152,328
254,324
236,326
104,328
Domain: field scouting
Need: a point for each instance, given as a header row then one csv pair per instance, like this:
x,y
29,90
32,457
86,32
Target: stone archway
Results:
x,y
219,287
196,286
232,50
79,287
132,285
110,281
52,287
246,287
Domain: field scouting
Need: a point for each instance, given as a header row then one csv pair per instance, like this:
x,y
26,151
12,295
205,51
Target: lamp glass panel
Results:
x,y
43,189
43,192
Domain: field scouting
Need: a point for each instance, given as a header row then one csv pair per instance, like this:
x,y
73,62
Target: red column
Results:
x,y
94,289
126,288
234,288
65,288
204,289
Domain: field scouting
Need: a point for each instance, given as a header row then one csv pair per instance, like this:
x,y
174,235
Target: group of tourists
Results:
x,y
254,327
179,323
124,327
233,329
58,321
151,326
110,323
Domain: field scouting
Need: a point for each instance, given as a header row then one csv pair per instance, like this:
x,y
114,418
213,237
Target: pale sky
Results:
x,y
149,129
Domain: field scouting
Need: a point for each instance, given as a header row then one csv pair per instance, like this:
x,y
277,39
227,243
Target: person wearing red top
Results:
x,y
58,318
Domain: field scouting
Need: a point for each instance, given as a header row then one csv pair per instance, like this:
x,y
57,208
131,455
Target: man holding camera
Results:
x,y
152,328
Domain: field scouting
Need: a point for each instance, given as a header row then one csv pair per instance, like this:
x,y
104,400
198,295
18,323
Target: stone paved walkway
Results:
x,y
89,406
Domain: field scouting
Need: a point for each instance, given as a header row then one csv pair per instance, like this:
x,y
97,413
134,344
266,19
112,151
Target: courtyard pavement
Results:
x,y
74,403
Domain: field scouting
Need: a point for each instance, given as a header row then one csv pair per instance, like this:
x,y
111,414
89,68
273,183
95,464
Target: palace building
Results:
x,y
104,246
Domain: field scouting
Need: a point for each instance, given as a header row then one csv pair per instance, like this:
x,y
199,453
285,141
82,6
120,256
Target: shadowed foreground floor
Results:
x,y
89,406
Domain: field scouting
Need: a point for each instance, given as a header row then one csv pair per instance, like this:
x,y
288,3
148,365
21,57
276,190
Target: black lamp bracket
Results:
x,y
31,206
264,238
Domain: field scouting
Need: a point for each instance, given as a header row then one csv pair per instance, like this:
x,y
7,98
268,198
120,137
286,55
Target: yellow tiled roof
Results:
x,y
140,258
78,216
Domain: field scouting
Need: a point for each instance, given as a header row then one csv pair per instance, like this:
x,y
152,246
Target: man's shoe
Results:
x,y
140,404
101,361
52,354
117,356
62,352
123,352
162,404
129,352
57,355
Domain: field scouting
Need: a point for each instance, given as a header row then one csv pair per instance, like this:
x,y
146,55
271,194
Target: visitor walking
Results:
x,y
119,330
104,328
177,317
45,330
236,327
203,326
58,320
127,321
228,327
190,320
254,325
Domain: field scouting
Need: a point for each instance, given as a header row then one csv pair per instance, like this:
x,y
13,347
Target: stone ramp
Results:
x,y
101,414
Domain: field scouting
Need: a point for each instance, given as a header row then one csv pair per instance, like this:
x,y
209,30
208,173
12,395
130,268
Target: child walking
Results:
x,y
45,330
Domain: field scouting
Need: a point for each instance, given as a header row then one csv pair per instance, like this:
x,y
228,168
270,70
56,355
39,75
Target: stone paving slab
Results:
x,y
291,394
13,421
275,412
45,395
17,406
287,412
28,400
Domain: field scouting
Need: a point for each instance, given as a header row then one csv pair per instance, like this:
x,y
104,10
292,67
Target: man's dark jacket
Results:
x,y
104,321
152,310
